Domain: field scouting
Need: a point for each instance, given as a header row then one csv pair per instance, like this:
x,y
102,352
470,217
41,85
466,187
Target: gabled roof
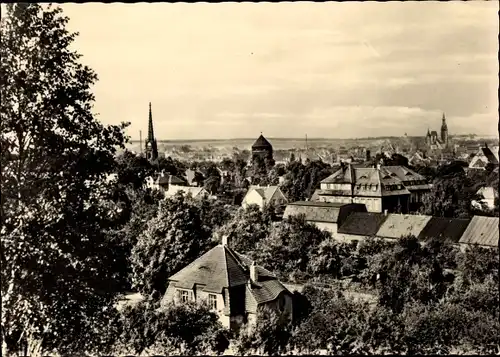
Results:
x,y
174,180
481,230
490,155
397,225
362,223
404,173
221,267
442,228
261,143
488,193
266,192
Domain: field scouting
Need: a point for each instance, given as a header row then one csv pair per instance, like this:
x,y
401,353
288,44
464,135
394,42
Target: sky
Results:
x,y
328,70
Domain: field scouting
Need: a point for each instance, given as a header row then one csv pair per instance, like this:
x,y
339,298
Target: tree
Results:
x,y
327,258
269,336
287,246
182,329
56,202
143,207
245,229
133,169
173,238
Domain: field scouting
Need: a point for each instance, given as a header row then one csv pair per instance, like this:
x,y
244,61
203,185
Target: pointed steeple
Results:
x,y
151,135
151,146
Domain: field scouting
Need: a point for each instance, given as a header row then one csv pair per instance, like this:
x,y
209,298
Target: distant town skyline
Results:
x,y
328,70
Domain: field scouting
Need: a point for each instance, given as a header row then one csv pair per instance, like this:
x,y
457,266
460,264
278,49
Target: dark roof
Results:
x,y
220,268
444,229
362,223
481,230
261,143
174,180
489,155
314,211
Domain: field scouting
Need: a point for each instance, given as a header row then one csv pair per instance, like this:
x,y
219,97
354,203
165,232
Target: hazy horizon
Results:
x,y
328,70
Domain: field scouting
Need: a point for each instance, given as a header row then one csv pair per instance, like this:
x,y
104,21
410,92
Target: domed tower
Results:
x,y
262,148
444,131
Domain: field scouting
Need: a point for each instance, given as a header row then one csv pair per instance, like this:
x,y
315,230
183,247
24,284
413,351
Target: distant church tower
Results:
x,y
151,147
444,132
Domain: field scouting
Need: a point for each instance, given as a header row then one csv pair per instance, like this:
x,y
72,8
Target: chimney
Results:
x,y
385,212
224,240
253,272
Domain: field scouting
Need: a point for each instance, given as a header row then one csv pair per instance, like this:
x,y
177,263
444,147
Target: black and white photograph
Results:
x,y
249,178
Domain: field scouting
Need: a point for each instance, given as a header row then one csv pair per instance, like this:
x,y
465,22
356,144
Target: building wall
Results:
x,y
198,295
336,186
253,198
373,204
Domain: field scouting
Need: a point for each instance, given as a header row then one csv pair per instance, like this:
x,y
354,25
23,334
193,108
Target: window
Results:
x,y
184,295
212,301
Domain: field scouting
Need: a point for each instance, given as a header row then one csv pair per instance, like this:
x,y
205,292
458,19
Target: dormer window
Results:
x,y
185,295
212,301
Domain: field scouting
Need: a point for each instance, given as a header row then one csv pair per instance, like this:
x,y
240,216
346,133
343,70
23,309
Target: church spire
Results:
x,y
151,135
151,146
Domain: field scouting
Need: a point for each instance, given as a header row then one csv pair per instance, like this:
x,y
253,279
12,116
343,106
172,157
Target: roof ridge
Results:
x,y
225,264
235,257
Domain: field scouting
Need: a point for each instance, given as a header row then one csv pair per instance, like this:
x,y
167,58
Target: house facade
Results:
x,y
264,195
195,192
381,188
324,215
232,285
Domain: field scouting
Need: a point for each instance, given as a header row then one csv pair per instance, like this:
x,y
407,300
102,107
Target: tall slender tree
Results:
x,y
55,157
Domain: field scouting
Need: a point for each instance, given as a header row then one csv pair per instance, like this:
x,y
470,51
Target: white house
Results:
x,y
489,194
262,196
195,192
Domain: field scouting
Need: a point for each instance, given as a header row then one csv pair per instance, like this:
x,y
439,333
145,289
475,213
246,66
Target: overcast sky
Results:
x,y
339,70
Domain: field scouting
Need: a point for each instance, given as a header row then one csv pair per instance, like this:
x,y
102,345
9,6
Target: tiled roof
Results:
x,y
314,211
481,230
216,269
397,225
404,173
265,192
362,223
343,175
261,143
444,229
220,268
267,290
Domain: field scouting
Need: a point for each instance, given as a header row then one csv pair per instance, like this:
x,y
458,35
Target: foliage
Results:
x,y
410,272
477,264
245,229
269,336
214,214
301,180
175,236
183,329
143,207
56,279
328,257
133,169
288,244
